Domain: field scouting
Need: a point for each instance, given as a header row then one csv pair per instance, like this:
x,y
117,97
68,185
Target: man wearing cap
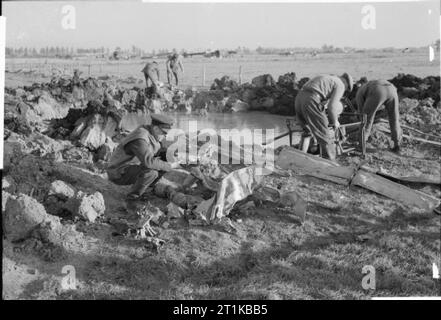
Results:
x,y
173,64
373,95
151,74
135,161
310,106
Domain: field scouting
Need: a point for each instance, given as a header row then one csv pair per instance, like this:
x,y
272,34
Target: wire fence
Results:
x,y
197,74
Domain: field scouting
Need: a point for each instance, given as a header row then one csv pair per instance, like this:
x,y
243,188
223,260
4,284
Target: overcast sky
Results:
x,y
211,26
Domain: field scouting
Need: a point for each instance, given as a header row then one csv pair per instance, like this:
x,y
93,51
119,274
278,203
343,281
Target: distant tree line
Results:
x,y
134,51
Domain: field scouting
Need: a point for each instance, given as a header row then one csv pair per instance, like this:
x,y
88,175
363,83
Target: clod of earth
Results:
x,y
22,215
87,206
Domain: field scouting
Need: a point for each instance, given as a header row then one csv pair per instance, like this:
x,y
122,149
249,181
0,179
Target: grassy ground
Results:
x,y
271,255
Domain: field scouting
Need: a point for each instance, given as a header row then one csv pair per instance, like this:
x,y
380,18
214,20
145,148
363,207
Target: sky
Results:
x,y
216,25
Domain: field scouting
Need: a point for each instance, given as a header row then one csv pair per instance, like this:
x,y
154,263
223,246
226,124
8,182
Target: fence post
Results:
x,y
89,69
203,76
240,74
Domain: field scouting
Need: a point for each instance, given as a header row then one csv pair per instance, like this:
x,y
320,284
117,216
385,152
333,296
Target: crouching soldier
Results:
x,y
370,97
135,161
310,107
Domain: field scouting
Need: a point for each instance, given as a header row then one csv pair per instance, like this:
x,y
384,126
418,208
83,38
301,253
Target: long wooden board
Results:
x,y
394,190
293,159
298,161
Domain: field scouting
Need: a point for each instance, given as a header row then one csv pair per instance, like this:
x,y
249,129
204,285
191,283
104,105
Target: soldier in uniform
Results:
x,y
319,93
370,97
135,161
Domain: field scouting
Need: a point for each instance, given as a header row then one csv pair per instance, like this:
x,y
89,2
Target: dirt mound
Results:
x,y
410,86
225,84
288,80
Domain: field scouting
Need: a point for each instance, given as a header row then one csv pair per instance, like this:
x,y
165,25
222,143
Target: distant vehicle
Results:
x,y
206,54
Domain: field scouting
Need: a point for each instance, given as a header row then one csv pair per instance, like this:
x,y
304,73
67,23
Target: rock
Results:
x,y
105,151
240,106
225,83
87,206
155,106
61,189
19,92
6,183
77,154
173,211
48,108
288,80
5,197
264,80
22,215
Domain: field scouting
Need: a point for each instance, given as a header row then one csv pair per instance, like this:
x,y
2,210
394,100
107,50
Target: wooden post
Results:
x,y
240,75
89,69
203,76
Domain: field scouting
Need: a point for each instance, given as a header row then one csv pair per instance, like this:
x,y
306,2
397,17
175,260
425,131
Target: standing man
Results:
x,y
173,64
135,161
370,97
151,73
310,107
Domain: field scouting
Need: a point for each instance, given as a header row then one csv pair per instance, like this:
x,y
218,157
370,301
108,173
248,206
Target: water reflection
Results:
x,y
218,121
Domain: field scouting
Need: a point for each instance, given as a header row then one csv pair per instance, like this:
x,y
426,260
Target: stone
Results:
x,y
105,151
61,189
240,106
87,206
48,108
173,211
22,215
263,81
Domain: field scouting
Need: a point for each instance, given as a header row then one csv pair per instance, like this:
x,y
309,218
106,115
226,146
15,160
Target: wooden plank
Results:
x,y
394,190
436,143
409,179
293,159
414,130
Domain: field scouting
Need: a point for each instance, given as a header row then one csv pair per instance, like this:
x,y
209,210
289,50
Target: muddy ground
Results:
x,y
269,253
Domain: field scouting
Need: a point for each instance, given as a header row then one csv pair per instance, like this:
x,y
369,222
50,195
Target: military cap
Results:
x,y
162,121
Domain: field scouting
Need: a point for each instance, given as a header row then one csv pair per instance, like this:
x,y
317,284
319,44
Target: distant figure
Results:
x,y
76,78
151,74
370,97
173,64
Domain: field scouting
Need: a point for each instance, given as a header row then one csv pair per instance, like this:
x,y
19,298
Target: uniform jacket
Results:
x,y
138,148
